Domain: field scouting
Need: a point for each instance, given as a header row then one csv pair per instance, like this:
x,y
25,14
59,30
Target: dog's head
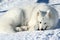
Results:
x,y
44,19
44,16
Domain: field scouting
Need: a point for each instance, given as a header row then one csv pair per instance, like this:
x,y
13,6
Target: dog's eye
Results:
x,y
44,23
40,22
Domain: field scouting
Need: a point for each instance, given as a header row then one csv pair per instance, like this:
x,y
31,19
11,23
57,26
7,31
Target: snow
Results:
x,y
36,35
7,4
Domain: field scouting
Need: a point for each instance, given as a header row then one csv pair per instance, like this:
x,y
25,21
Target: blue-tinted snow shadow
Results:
x,y
58,25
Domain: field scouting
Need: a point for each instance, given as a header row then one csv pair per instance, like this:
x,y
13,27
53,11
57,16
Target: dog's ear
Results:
x,y
37,13
48,14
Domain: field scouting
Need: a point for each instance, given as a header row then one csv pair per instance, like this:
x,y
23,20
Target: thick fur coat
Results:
x,y
29,17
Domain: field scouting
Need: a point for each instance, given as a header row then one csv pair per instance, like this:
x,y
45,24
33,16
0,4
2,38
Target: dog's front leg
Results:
x,y
31,25
31,28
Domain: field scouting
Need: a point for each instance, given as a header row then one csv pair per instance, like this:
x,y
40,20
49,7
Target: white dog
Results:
x,y
39,16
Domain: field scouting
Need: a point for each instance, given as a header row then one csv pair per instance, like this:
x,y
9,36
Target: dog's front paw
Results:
x,y
18,29
22,28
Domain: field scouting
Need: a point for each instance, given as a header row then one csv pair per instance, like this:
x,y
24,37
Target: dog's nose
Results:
x,y
38,29
42,29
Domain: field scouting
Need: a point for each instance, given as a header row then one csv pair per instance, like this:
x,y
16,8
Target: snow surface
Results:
x,y
36,35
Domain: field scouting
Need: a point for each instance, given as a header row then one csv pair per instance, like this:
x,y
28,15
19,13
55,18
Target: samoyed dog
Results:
x,y
30,18
43,17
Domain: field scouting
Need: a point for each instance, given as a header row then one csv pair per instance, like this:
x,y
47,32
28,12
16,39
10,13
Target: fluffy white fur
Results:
x,y
39,22
29,17
15,16
10,19
48,21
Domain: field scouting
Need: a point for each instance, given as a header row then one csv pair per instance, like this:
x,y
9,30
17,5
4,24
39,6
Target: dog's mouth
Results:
x,y
42,28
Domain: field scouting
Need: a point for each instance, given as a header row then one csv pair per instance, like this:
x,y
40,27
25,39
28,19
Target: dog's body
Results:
x,y
10,20
14,17
28,16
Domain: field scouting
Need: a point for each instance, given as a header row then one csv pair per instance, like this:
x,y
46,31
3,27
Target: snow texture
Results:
x,y
36,35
